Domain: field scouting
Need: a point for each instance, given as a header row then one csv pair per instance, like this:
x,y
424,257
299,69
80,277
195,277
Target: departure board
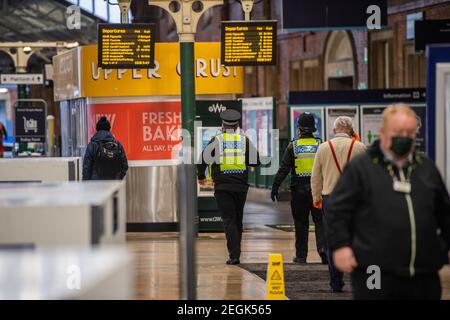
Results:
x,y
126,46
249,43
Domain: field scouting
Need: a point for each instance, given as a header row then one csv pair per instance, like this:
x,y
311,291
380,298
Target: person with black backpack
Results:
x,y
105,158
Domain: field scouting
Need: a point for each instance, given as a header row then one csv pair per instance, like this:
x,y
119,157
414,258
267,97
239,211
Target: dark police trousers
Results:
x,y
231,207
394,287
301,206
336,277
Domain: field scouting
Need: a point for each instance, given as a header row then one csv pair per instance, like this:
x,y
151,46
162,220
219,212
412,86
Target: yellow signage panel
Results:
x,y
129,45
275,278
211,76
249,43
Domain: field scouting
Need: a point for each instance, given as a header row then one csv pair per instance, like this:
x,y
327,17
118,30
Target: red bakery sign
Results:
x,y
147,130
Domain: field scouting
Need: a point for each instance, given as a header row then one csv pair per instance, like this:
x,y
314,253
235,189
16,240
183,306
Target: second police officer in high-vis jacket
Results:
x,y
298,160
229,155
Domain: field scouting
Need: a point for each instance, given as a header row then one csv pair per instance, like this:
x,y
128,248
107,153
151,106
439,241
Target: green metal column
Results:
x,y
186,19
21,94
189,214
188,107
187,88
22,91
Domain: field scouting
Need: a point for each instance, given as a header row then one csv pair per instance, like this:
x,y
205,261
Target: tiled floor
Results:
x,y
157,264
157,258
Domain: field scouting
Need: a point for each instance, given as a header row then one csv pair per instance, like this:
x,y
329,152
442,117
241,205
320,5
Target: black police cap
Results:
x,y
230,117
307,121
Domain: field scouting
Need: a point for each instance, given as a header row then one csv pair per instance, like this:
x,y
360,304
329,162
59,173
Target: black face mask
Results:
x,y
401,145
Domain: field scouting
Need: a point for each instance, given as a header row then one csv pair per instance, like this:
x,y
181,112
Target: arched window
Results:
x,y
339,62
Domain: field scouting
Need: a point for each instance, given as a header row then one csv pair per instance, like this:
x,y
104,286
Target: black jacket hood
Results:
x,y
102,135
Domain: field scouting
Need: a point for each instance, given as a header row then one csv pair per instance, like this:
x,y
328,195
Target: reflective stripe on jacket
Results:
x,y
304,151
232,149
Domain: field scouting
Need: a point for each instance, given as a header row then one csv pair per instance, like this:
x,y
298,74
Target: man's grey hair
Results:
x,y
343,122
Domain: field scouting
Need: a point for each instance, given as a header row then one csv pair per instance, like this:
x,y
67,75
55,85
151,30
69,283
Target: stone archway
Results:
x,y
339,66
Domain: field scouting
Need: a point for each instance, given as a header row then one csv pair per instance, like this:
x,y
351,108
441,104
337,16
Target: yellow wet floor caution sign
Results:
x,y
275,278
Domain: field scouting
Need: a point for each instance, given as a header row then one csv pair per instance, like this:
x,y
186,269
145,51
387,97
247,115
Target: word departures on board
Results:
x,y
126,46
249,43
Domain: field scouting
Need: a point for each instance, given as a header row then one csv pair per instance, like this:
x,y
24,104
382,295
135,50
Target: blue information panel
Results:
x,y
365,107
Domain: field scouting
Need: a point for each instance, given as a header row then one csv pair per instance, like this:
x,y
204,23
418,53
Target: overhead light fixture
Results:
x,y
3,90
27,49
71,45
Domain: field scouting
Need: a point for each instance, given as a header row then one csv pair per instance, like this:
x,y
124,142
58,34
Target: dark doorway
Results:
x,y
343,83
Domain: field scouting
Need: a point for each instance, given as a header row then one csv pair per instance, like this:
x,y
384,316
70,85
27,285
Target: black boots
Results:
x,y
324,257
299,260
233,261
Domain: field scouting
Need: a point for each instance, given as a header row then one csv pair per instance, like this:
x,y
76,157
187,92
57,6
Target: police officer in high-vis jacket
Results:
x,y
298,160
229,156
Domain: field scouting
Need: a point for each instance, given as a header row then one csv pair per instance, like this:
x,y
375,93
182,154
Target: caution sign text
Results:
x,y
126,46
249,43
275,278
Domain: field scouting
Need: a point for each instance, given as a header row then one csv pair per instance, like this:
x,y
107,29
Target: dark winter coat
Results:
x,y
367,214
89,165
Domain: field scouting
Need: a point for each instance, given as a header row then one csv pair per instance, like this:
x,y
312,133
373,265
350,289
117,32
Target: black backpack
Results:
x,y
108,161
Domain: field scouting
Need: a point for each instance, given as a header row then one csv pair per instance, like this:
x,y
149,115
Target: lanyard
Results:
x,y
404,184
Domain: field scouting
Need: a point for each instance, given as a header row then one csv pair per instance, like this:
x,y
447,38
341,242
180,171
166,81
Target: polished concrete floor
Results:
x,y
156,266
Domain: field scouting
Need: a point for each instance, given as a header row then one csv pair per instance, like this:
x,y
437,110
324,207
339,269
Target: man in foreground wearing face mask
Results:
x,y
390,211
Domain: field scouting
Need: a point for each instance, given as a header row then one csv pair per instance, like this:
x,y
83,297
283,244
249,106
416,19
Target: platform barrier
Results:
x,y
62,214
40,169
66,273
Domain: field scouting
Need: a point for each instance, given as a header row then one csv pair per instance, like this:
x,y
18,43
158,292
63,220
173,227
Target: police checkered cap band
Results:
x,y
228,123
